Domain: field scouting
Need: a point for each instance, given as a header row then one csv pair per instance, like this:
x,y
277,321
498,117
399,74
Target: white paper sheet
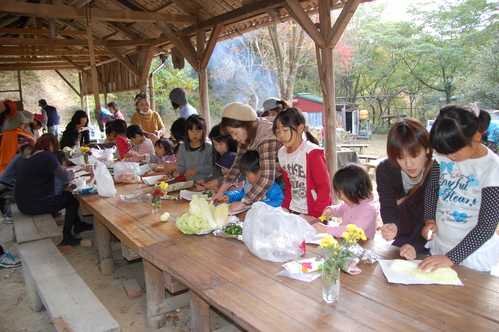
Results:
x,y
397,277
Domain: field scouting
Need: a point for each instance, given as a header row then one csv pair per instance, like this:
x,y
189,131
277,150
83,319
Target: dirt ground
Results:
x,y
17,316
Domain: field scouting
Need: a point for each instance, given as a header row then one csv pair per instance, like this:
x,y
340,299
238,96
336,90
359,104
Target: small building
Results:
x,y
347,114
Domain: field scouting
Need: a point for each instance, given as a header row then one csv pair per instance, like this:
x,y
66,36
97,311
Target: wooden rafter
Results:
x,y
97,14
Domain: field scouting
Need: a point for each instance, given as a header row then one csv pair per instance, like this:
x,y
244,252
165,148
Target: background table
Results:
x,y
224,274
346,157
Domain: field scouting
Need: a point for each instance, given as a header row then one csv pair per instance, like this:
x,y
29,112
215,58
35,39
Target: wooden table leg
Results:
x,y
155,295
200,314
103,239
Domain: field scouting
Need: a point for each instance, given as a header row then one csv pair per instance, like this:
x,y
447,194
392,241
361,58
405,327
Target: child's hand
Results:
x,y
408,252
320,227
435,262
307,217
327,212
224,199
130,154
428,231
176,174
212,185
190,173
200,185
236,206
170,167
389,231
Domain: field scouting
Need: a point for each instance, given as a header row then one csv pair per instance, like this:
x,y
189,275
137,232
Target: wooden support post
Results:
x,y
155,295
203,96
200,314
95,83
103,239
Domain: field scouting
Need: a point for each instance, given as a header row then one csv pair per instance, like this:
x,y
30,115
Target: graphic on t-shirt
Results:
x,y
459,217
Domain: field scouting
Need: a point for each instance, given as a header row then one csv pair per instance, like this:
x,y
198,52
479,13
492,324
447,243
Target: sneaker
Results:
x,y
83,227
70,241
7,260
5,220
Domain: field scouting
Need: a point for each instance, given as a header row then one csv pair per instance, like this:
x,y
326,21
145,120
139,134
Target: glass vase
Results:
x,y
330,280
85,158
156,204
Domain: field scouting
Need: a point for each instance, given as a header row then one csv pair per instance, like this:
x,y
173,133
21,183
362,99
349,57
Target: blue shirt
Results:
x,y
187,111
9,176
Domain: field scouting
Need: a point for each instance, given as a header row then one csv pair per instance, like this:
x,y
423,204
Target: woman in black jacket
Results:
x,y
76,131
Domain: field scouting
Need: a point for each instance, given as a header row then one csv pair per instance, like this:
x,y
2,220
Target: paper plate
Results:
x,y
187,194
155,179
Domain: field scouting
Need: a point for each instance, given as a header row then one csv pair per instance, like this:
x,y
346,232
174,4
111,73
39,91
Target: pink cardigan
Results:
x,y
363,215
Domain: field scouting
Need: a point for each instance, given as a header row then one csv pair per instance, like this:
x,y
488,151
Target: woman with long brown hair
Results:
x,y
35,188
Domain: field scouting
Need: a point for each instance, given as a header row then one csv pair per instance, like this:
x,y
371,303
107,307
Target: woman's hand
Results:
x,y
190,173
430,226
236,206
408,252
389,231
435,262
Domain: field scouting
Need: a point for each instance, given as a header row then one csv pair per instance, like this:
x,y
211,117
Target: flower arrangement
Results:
x,y
85,151
160,189
163,186
335,254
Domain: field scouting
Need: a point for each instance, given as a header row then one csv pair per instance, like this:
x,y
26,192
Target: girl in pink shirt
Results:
x,y
353,186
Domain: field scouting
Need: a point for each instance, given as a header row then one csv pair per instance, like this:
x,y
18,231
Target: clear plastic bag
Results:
x,y
105,183
126,172
274,235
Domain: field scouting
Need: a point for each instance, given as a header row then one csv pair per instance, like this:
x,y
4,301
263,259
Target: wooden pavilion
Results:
x,y
112,42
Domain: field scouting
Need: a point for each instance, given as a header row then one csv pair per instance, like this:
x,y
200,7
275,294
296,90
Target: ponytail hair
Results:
x,y
292,118
454,128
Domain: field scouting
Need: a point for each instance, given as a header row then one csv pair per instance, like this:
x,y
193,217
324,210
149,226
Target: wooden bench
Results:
x,y
367,157
373,164
33,228
51,282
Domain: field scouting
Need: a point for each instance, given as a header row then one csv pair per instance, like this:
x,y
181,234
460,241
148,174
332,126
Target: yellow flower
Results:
x,y
163,186
327,241
84,149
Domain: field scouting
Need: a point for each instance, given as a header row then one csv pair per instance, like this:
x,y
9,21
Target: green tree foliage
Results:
x,y
440,44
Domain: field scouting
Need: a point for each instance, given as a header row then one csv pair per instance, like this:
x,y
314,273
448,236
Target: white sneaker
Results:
x,y
7,260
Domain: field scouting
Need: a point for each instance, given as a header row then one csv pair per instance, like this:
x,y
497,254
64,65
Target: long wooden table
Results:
x,y
136,226
224,274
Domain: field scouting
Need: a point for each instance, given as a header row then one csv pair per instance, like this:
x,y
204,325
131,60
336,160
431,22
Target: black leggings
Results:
x,y
72,218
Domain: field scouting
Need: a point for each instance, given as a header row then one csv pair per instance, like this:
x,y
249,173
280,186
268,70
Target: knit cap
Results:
x,y
239,111
178,96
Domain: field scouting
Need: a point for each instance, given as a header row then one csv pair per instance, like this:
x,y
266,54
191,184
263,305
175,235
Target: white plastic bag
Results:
x,y
105,155
274,235
105,183
127,172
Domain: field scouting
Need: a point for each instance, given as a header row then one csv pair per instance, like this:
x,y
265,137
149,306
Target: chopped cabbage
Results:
x,y
191,224
203,216
444,274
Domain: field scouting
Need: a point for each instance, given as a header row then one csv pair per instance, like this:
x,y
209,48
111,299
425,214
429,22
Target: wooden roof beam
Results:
x,y
21,51
189,53
42,32
96,14
301,17
342,22
70,42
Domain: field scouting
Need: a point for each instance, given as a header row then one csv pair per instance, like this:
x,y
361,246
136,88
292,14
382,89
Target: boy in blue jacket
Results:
x,y
249,166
